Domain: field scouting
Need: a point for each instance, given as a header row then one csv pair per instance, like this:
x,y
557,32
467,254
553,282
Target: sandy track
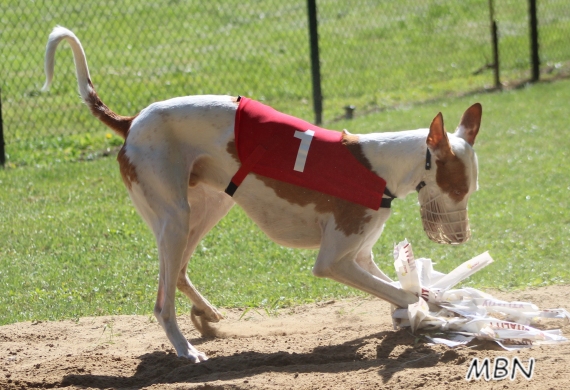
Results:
x,y
346,344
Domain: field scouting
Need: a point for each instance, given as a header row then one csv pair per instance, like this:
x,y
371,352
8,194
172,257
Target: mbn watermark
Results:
x,y
500,368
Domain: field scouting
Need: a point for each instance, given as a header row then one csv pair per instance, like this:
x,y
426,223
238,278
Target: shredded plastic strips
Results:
x,y
457,316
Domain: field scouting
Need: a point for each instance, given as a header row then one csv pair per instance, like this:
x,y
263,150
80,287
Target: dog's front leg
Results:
x,y
365,259
337,260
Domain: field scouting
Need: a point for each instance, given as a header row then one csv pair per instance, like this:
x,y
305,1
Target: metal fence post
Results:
x,y
495,44
534,55
315,62
2,151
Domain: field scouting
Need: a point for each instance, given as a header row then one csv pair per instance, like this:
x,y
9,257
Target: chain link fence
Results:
x,y
373,54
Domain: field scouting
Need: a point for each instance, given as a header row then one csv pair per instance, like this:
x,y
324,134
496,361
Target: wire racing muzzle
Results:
x,y
443,226
440,224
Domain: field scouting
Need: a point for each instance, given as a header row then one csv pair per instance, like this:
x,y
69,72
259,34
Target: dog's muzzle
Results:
x,y
443,226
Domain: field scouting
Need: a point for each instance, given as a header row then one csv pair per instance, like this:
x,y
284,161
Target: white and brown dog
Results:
x,y
180,155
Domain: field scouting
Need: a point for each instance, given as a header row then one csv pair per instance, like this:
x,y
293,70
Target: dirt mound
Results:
x,y
346,344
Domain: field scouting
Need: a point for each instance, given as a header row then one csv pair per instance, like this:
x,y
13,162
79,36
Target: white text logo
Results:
x,y
499,369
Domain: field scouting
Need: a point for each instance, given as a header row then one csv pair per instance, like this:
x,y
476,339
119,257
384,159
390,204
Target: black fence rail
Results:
x,y
372,54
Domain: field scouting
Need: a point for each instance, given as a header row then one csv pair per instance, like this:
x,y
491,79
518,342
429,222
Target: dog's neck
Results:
x,y
399,158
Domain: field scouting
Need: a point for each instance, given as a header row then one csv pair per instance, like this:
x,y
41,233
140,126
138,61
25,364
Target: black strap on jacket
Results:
x,y
386,203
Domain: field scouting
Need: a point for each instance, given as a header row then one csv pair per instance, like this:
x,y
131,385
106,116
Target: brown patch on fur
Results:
x,y
198,169
350,217
232,151
118,123
235,100
351,142
128,171
451,177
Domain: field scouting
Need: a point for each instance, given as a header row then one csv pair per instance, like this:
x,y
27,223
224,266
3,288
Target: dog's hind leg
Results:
x,y
162,201
171,232
209,206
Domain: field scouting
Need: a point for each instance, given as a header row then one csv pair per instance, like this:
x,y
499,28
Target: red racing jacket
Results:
x,y
291,150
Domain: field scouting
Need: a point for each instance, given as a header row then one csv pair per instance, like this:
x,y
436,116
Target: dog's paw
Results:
x,y
210,314
192,354
202,321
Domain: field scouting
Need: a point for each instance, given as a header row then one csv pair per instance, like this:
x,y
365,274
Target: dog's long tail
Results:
x,y
119,124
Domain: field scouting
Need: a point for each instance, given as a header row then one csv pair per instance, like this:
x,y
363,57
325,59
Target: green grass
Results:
x,y
374,55
71,244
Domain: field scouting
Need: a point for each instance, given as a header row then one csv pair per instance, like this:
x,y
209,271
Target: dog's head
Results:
x,y
450,178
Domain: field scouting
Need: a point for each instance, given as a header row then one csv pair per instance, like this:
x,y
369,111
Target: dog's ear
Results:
x,y
437,140
470,122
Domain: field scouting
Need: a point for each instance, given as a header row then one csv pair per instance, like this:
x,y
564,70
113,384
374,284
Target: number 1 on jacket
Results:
x,y
306,137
